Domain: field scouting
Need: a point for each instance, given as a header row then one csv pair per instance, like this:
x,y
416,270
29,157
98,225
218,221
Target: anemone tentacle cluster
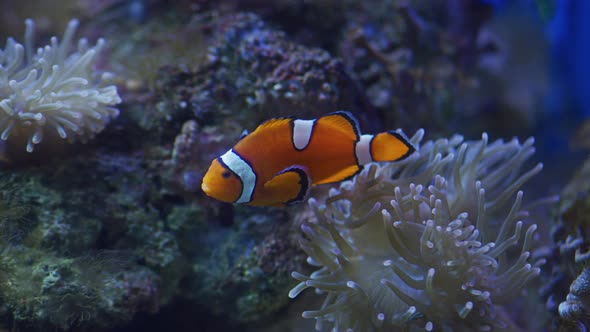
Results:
x,y
52,91
435,242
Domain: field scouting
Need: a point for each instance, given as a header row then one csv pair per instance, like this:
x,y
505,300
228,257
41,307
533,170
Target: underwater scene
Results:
x,y
294,165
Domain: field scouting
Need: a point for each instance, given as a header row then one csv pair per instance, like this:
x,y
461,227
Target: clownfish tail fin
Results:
x,y
391,146
385,146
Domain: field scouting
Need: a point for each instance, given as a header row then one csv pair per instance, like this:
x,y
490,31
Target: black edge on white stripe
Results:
x,y
238,176
357,131
253,171
371,147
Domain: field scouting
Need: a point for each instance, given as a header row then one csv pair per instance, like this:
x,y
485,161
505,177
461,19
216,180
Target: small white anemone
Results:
x,y
52,91
436,242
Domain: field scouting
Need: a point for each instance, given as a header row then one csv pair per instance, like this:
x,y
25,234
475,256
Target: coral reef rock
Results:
x,y
567,276
254,67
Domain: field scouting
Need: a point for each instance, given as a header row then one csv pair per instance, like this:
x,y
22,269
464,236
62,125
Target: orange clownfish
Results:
x,y
279,162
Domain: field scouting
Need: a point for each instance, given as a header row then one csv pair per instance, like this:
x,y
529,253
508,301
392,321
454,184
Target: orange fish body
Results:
x,y
283,158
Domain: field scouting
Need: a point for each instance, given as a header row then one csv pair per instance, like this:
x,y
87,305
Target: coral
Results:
x,y
426,243
52,292
240,273
89,266
53,277
566,276
185,144
53,92
309,23
195,147
414,60
255,72
157,63
574,310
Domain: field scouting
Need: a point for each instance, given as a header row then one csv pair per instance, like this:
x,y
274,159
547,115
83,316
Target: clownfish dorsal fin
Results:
x,y
244,134
274,122
342,121
290,186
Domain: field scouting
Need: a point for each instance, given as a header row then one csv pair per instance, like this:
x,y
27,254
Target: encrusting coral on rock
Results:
x,y
52,91
435,242
566,278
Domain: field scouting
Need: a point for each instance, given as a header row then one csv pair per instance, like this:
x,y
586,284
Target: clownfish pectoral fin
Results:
x,y
290,186
390,146
342,121
244,134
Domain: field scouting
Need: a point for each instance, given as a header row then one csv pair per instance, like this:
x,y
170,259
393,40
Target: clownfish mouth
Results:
x,y
205,188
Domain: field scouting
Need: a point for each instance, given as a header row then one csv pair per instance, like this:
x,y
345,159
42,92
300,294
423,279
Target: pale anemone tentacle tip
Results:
x,y
54,90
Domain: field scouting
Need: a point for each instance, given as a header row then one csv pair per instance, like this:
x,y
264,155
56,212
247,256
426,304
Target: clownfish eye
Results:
x,y
226,174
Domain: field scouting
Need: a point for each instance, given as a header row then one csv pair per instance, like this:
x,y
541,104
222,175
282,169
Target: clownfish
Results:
x,y
283,158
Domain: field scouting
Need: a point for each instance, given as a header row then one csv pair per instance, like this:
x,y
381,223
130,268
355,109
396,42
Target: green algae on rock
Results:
x,y
52,292
81,264
242,271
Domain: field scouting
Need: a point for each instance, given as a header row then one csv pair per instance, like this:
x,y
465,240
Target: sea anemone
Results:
x,y
53,91
426,243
